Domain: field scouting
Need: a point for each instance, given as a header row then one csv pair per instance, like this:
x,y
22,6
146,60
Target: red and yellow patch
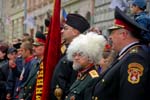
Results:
x,y
135,71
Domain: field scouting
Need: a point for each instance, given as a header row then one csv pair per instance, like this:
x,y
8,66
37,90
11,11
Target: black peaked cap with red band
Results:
x,y
40,38
124,21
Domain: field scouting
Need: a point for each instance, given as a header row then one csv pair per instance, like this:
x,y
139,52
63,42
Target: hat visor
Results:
x,y
36,44
114,28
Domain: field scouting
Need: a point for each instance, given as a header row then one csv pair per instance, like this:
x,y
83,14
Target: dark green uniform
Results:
x,y
81,88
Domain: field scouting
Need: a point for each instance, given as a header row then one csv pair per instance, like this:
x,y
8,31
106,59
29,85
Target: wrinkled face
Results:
x,y
116,39
38,50
68,33
80,61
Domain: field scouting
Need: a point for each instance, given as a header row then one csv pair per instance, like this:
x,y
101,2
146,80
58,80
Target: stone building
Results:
x,y
13,19
19,16
2,35
38,10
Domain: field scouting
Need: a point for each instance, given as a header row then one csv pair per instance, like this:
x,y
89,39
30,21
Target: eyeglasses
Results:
x,y
67,27
78,54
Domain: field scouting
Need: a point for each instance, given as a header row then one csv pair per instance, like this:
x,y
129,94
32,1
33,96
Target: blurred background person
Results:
x,y
4,70
12,55
140,16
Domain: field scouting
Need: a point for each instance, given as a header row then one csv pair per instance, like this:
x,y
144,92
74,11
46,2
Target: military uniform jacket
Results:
x,y
27,88
128,78
63,77
81,88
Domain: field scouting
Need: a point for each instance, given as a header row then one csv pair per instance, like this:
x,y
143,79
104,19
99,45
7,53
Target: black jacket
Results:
x,y
63,76
128,77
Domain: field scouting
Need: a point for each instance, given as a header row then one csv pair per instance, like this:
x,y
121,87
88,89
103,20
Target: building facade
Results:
x,y
16,14
13,19
97,12
38,11
1,20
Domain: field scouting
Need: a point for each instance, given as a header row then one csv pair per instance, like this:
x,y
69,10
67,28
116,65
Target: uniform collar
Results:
x,y
28,59
85,70
127,47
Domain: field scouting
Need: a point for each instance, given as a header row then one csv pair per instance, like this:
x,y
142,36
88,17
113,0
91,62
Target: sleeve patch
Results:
x,y
93,74
135,71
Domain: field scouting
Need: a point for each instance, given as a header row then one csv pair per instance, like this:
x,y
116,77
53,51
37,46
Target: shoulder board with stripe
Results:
x,y
94,73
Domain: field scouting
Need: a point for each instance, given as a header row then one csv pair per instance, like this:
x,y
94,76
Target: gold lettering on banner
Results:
x,y
38,97
38,90
39,83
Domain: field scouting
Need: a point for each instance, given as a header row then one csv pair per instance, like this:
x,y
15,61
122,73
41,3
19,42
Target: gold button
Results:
x,y
30,87
103,80
66,97
64,62
92,97
96,98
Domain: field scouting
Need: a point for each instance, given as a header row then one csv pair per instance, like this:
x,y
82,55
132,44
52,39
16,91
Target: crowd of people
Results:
x,y
92,66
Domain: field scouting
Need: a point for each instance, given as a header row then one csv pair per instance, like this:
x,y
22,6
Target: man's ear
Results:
x,y
124,34
75,32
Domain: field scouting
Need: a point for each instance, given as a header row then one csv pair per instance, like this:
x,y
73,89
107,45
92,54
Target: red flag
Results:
x,y
52,50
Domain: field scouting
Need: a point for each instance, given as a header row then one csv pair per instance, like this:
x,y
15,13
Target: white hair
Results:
x,y
90,45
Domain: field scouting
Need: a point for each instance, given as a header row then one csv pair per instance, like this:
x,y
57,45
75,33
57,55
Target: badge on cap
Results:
x,y
135,71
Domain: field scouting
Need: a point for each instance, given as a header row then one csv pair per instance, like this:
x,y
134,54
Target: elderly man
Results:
x,y
128,76
84,58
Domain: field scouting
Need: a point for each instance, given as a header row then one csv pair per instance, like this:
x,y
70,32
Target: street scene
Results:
x,y
74,49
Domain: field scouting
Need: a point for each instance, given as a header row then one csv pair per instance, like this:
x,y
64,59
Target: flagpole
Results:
x,y
25,15
92,11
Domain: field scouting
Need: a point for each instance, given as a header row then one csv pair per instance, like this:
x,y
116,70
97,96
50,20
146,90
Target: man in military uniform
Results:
x,y
84,58
32,82
127,78
64,75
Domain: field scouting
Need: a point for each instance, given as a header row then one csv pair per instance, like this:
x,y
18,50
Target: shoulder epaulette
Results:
x,y
63,49
134,50
94,73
